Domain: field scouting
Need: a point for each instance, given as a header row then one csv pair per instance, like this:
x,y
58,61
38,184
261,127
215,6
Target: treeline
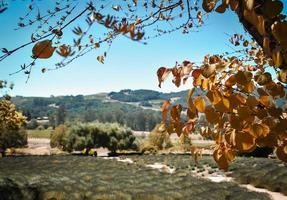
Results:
x,y
85,109
144,95
140,120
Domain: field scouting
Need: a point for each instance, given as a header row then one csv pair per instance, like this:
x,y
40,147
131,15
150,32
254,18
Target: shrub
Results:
x,y
147,148
185,142
32,124
40,128
94,135
158,139
59,137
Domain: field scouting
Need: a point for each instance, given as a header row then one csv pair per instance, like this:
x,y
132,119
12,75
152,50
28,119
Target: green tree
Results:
x,y
61,115
89,115
93,135
12,122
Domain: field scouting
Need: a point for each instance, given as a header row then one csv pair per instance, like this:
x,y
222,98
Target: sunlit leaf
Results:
x,y
199,103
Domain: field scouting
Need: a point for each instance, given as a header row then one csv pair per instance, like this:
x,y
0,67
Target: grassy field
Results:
x,y
76,177
39,133
260,172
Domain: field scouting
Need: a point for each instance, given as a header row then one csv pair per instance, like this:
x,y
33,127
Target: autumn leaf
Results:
x,y
164,110
43,49
244,141
162,74
208,5
199,103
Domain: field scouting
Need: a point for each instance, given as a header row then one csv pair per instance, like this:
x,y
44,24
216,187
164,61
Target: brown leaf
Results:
x,y
164,110
244,141
162,74
43,49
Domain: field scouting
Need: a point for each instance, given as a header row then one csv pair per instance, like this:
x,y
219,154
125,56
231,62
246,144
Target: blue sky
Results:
x,y
128,64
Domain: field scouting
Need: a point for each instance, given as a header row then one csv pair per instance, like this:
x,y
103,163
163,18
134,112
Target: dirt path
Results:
x,y
36,146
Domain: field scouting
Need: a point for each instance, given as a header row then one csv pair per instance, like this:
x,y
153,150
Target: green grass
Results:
x,y
39,133
79,177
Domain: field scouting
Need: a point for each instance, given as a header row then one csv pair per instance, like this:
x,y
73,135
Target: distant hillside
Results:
x,y
138,109
144,95
150,97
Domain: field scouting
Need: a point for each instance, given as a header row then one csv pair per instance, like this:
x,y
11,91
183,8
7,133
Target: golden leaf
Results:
x,y
208,5
265,100
230,154
249,4
230,81
277,57
199,103
241,99
260,25
266,46
214,96
258,130
244,141
250,16
221,159
249,87
230,137
282,76
197,81
204,84
223,106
